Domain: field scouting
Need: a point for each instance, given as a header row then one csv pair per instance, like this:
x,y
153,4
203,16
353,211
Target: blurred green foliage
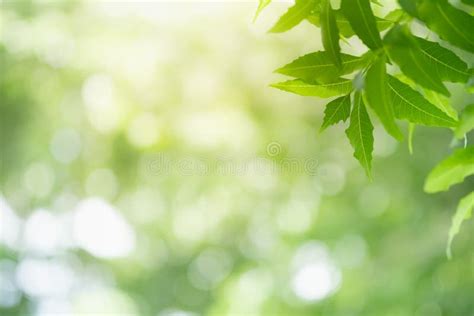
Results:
x,y
147,169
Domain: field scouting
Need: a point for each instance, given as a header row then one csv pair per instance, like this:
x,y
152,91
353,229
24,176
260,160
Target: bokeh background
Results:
x,y
148,169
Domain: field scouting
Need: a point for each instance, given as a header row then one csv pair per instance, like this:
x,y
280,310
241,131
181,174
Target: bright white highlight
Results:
x,y
316,276
44,278
41,233
99,229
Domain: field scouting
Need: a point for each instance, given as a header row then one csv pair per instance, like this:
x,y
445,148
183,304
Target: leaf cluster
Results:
x,y
401,76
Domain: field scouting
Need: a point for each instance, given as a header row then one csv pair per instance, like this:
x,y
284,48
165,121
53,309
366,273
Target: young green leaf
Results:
x,y
466,122
410,105
463,212
345,28
451,171
411,132
295,14
441,102
362,20
446,63
330,33
360,133
319,66
315,89
336,110
378,96
262,4
451,24
404,51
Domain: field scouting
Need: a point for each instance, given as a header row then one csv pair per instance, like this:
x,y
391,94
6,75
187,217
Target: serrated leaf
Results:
x,y
410,105
345,28
405,52
362,20
262,4
330,33
319,66
451,171
447,64
378,96
441,102
451,24
463,212
295,14
337,110
466,122
360,133
315,89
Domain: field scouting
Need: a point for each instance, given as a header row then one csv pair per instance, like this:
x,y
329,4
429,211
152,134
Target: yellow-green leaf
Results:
x,y
315,89
463,212
466,122
450,171
319,66
295,14
262,4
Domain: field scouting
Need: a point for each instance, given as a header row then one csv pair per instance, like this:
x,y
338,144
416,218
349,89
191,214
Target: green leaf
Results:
x,y
360,133
469,2
315,89
411,132
466,122
330,33
319,66
336,111
463,212
410,105
451,171
345,28
295,14
405,52
441,102
262,4
362,20
446,63
378,96
451,24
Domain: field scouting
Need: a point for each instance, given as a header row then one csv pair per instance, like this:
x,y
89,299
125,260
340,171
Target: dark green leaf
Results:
x,y
360,133
319,66
451,171
463,212
446,63
410,105
330,33
378,96
451,24
362,20
336,110
403,50
295,14
466,122
315,89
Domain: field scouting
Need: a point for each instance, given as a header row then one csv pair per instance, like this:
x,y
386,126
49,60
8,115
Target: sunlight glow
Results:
x,y
101,230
